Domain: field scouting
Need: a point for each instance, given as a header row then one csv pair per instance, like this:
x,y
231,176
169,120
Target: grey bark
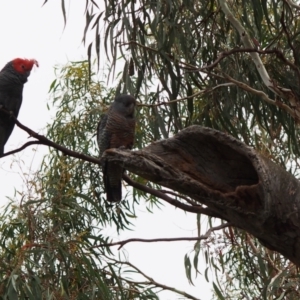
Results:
x,y
230,178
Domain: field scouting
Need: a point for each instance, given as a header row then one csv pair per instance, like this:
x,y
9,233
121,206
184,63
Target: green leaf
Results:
x,y
218,292
188,268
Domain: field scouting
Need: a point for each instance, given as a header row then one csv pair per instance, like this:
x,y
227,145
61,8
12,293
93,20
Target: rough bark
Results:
x,y
230,178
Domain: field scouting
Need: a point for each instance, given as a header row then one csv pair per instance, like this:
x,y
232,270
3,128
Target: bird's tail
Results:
x,y
113,182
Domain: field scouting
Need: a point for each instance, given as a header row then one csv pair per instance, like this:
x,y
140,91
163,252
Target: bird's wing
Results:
x,y
103,138
112,174
7,123
10,94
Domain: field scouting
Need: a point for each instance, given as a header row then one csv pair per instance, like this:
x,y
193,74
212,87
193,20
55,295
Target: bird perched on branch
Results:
x,y
116,130
12,79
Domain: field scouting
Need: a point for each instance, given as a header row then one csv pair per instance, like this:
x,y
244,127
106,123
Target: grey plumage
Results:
x,y
116,129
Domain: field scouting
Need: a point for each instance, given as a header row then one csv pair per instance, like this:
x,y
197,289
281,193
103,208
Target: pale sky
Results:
x,y
31,31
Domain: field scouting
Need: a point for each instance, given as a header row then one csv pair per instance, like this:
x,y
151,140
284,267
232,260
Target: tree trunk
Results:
x,y
230,178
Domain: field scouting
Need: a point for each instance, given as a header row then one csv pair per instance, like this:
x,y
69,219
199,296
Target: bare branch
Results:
x,y
21,148
192,202
202,237
198,209
45,141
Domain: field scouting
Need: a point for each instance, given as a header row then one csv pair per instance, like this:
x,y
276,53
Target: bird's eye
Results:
x,y
22,66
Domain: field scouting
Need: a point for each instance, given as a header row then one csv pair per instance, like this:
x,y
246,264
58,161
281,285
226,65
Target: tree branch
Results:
x,y
193,203
202,237
284,93
157,284
45,141
229,178
202,92
21,148
198,209
225,54
263,95
222,55
151,281
185,65
248,44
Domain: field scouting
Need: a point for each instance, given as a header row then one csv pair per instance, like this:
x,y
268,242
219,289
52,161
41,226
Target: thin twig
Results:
x,y
257,251
185,64
292,4
21,148
150,281
192,202
224,54
203,92
289,40
202,237
164,287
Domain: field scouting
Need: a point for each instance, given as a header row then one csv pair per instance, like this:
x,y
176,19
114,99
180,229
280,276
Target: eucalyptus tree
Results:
x,y
217,125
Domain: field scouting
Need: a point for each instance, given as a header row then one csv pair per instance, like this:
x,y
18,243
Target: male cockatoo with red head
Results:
x,y
12,79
